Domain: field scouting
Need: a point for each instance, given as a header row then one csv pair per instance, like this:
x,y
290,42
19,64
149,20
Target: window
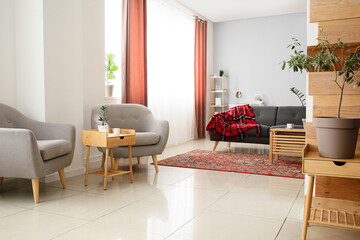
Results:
x,y
170,67
113,15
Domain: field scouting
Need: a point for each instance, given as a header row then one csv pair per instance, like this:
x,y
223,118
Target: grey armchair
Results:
x,y
32,149
151,134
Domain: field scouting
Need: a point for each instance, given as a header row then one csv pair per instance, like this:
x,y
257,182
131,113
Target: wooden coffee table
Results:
x,y
94,138
288,141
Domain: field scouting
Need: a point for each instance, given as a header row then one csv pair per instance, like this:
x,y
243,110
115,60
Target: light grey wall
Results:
x,y
249,51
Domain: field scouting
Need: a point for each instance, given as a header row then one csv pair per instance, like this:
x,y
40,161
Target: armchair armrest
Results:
x,y
19,154
161,127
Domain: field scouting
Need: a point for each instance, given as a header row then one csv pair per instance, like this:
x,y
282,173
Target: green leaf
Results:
x,y
114,68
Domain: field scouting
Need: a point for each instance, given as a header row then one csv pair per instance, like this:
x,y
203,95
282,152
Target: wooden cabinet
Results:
x,y
315,166
219,94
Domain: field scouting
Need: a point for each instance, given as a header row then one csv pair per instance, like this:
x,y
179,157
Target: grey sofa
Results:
x,y
151,133
32,149
269,117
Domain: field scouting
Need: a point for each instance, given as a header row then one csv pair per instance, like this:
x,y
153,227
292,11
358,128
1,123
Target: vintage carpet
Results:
x,y
286,166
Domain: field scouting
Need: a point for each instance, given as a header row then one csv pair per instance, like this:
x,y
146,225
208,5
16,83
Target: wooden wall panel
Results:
x,y
341,53
339,188
310,133
326,106
337,18
325,10
341,205
322,83
347,30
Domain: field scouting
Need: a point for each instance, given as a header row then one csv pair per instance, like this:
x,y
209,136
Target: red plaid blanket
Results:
x,y
236,121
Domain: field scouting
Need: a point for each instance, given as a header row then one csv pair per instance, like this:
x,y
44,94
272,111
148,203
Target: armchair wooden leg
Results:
x,y
35,187
216,143
138,159
62,177
154,157
1,180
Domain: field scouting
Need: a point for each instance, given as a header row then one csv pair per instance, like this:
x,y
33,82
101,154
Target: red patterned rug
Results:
x,y
286,166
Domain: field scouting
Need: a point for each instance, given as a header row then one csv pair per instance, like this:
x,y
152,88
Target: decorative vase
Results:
x,y
103,128
337,137
109,88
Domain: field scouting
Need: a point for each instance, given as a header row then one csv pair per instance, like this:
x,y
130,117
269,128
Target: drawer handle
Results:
x,y
337,163
121,137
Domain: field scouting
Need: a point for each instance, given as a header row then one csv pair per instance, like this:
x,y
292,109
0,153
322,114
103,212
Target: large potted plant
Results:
x,y
336,136
110,68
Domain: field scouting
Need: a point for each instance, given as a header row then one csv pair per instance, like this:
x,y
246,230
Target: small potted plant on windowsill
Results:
x,y
110,68
337,137
104,127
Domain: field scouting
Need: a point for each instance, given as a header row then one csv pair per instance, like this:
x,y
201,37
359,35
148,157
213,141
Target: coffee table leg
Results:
x,y
130,165
307,209
106,167
87,166
112,161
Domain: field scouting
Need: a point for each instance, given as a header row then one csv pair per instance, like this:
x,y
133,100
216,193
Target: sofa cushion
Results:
x,y
265,115
50,149
264,131
146,138
289,114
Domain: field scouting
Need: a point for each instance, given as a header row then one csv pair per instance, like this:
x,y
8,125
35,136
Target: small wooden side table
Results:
x,y
94,138
286,141
314,165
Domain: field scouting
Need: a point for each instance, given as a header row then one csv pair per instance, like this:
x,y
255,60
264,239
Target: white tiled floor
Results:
x,y
175,204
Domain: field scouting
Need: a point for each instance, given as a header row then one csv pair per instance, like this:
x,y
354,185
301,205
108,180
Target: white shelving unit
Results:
x,y
219,94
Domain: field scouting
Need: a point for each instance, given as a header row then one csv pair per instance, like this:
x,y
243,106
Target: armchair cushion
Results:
x,y
50,149
147,138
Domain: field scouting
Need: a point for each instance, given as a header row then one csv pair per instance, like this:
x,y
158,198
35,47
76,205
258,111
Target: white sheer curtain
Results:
x,y
170,65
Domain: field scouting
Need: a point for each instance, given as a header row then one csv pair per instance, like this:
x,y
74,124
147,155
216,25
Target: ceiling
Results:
x,y
226,10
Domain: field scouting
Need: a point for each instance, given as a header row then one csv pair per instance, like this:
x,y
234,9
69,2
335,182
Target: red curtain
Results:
x,y
200,77
134,72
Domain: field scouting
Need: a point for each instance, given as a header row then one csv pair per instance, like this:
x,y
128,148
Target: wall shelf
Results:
x,y
218,94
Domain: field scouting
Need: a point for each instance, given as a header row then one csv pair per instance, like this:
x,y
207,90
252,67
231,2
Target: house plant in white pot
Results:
x,y
104,127
336,136
110,68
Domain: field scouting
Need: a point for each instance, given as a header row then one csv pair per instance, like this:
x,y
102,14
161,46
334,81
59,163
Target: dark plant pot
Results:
x,y
337,137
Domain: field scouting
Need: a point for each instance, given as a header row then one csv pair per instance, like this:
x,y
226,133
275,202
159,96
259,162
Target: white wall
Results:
x,y
249,51
7,50
29,58
63,55
93,60
52,62
74,65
